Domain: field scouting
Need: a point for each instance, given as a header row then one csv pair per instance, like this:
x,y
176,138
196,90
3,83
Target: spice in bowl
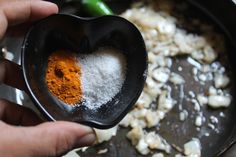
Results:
x,y
103,74
63,77
86,79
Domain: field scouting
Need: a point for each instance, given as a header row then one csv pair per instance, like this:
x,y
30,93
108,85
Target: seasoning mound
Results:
x,y
88,79
103,74
63,77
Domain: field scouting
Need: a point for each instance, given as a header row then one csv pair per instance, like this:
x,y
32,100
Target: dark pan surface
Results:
x,y
171,128
174,131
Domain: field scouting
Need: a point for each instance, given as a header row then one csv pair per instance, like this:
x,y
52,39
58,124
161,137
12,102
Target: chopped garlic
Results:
x,y
142,147
220,80
203,100
211,126
138,123
163,61
102,151
125,122
8,55
179,155
151,57
161,74
183,115
209,54
105,135
198,121
196,64
202,77
139,113
144,101
166,27
72,153
214,120
152,87
196,105
165,104
155,141
212,90
217,101
152,118
158,155
135,135
176,79
192,148
160,114
198,55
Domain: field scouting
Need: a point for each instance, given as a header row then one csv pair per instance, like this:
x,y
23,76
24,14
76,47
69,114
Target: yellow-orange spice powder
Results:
x,y
63,77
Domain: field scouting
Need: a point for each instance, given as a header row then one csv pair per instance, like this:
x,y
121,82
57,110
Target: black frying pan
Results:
x,y
220,13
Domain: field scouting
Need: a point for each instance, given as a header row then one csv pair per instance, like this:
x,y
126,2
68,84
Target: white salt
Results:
x,y
103,74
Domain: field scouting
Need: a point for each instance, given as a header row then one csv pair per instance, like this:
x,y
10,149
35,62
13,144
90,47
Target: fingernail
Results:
x,y
87,140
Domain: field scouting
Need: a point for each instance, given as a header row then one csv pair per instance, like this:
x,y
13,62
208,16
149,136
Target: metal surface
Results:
x,y
173,130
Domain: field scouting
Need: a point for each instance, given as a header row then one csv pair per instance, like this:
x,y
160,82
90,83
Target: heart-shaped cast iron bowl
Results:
x,y
61,31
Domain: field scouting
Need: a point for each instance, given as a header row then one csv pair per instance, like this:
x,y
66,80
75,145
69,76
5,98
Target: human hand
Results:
x,y
31,138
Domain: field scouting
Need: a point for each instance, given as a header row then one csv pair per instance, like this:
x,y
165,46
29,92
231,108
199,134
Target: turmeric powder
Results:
x,y
63,77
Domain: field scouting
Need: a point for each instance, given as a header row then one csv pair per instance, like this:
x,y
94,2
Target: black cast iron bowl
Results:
x,y
83,35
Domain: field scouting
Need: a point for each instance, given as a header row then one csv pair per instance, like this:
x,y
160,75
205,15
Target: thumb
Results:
x,y
48,139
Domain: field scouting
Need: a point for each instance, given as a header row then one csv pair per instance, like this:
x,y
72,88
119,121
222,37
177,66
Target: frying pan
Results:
x,y
221,14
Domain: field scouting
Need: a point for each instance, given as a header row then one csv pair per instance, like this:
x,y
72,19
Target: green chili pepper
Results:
x,y
96,7
92,7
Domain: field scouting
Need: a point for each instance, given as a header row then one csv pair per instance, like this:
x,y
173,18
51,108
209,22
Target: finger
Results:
x,y
15,12
11,74
48,139
14,114
21,11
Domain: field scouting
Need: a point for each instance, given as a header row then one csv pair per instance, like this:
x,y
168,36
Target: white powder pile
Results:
x,y
103,74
